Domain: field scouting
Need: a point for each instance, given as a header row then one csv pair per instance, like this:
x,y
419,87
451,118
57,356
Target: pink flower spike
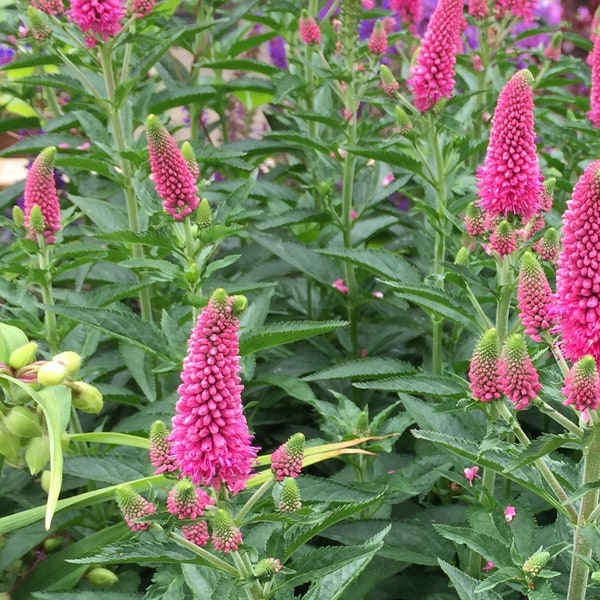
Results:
x,y
517,8
186,501
40,190
378,41
474,221
432,77
340,286
50,7
142,8
582,386
510,180
309,30
518,378
503,239
510,512
483,370
594,61
286,461
489,565
210,441
197,533
471,473
478,9
159,449
534,298
410,11
174,181
226,536
578,274
101,17
134,507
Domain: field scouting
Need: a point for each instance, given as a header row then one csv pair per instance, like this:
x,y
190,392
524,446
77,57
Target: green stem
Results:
x,y
582,550
506,284
555,348
545,408
45,264
114,116
485,321
253,500
439,244
539,463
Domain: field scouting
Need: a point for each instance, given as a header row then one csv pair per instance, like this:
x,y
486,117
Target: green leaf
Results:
x,y
105,215
55,401
491,548
86,164
419,383
382,263
110,469
243,64
437,301
120,324
286,332
140,551
500,576
139,364
298,140
156,269
180,96
370,367
541,446
391,157
108,437
55,80
465,585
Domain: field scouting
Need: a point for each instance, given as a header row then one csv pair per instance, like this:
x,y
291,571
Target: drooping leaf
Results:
x,y
465,585
370,367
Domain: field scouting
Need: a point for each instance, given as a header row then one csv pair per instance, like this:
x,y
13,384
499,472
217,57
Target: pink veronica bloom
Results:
x,y
578,274
309,30
534,297
159,448
510,180
286,461
378,41
141,8
186,501
510,512
410,11
483,370
174,181
197,533
40,190
210,441
518,378
432,77
50,7
478,8
503,239
517,8
226,536
134,507
548,247
102,17
594,61
582,385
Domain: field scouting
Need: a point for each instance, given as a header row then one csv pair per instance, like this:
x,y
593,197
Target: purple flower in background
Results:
x,y
548,12
6,54
277,52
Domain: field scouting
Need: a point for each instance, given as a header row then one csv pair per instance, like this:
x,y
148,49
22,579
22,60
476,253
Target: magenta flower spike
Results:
x,y
483,370
50,7
578,273
309,30
594,62
286,461
173,179
378,42
210,441
510,180
518,378
197,533
134,507
432,77
142,8
582,385
186,501
40,190
159,448
225,535
410,11
478,9
534,298
548,247
503,239
100,17
517,8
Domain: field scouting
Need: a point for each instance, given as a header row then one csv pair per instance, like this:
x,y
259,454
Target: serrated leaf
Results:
x,y
440,302
382,263
180,96
243,64
298,140
363,368
139,551
541,446
391,157
221,263
55,401
419,383
465,585
109,470
55,80
159,270
139,364
87,164
106,216
122,325
491,548
286,332
500,576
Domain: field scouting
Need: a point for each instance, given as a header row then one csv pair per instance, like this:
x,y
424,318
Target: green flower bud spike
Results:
x,y
36,220
462,256
290,496
190,158
38,27
203,214
535,563
45,480
388,81
18,216
403,121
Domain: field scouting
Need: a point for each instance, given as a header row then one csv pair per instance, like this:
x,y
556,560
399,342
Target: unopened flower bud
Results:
x,y
362,427
10,448
290,496
203,214
37,454
239,304
403,121
70,360
22,422
22,356
388,81
38,27
462,256
45,481
51,373
36,219
225,535
190,158
53,543
267,567
18,216
596,576
86,397
134,508
101,577
192,273
535,563
286,461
